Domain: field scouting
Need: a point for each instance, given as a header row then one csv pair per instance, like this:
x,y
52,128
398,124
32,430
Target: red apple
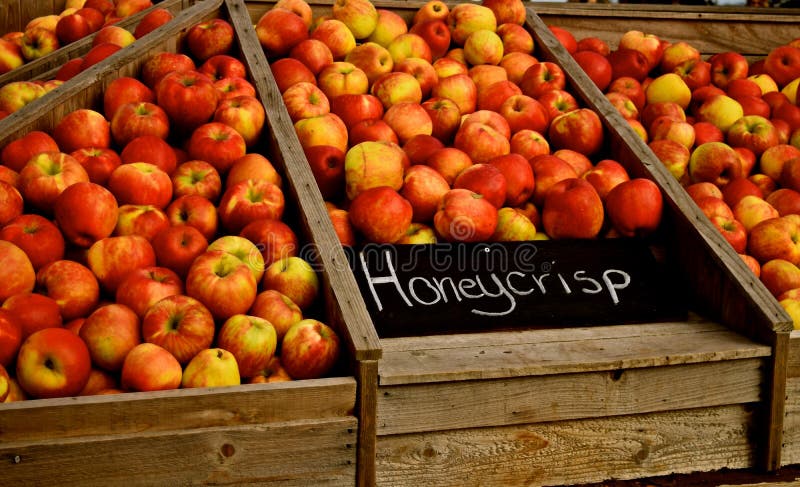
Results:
x,y
309,349
37,236
137,119
82,128
251,340
196,211
465,216
180,89
10,337
46,176
572,209
209,38
72,285
295,278
380,214
149,367
222,282
53,363
110,332
177,246
635,207
112,258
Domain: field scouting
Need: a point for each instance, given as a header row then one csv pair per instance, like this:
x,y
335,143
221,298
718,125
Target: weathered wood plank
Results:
x,y
522,353
571,452
302,453
179,409
486,403
793,367
791,423
367,378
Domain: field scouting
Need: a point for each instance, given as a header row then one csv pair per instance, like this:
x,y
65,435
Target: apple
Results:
x,y
714,162
371,164
375,130
11,203
326,129
72,27
753,132
465,216
423,187
252,166
277,309
668,87
782,64
38,42
222,282
733,231
180,324
790,174
137,119
149,367
309,349
313,53
484,179
19,151
648,44
46,175
39,237
596,66
572,209
209,38
98,162
431,10
328,167
459,88
10,56
245,114
196,177
676,54
140,183
407,119
396,87
177,90
435,33
751,210
720,110
112,258
288,71
196,211
17,94
529,144
82,128
447,66
305,100
250,200
10,337
177,246
624,105
445,117
72,285
100,382
150,149
279,30
635,207
515,38
273,238
775,238
160,64
353,108
122,90
53,362
380,214
143,287
223,66
344,230
481,141
780,276
273,372
251,340
212,367
34,312
371,58
465,18
388,26
695,73
606,175
580,130
293,277
542,77
218,144
666,127
628,63
515,64
726,67
513,225
336,35
785,200
449,162
419,147
152,20
110,332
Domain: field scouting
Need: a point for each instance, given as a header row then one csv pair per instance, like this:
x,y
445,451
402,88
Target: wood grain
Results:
x,y
300,453
571,452
15,14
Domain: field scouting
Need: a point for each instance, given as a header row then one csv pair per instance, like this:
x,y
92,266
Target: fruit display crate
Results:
x,y
751,32
585,404
45,67
302,432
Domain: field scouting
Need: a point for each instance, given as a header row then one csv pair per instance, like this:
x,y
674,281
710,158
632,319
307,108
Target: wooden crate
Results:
x,y
562,406
308,432
15,14
46,67
751,32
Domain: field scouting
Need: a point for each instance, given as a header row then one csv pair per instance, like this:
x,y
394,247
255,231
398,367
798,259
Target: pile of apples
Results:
x,y
45,34
142,244
446,127
727,128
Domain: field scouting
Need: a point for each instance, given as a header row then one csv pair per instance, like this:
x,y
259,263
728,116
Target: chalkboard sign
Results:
x,y
439,288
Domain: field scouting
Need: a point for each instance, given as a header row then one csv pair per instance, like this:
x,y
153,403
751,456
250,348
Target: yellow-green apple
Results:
x,y
72,285
547,171
380,214
196,211
11,203
177,246
279,30
138,118
152,20
252,165
110,332
409,45
445,117
353,108
449,162
580,130
751,210
596,66
465,216
515,65
310,349
122,90
144,220
326,129
764,81
360,16
513,226
677,53
149,367
273,238
82,128
250,200
628,63
10,337
21,276
98,162
418,233
46,175
785,200
112,258
572,209
222,282
38,42
775,238
483,47
754,132
306,100
465,18
16,94
180,324
10,56
179,89
529,144
396,87
782,64
335,34
673,155
208,38
542,77
313,53
245,114
720,110
342,77
423,187
196,177
294,277
39,237
243,249
277,309
371,164
252,341
34,311
460,89
714,162
327,165
388,26
218,144
484,179
634,207
53,362
151,149
408,119
141,183
19,151
668,87
648,44
342,226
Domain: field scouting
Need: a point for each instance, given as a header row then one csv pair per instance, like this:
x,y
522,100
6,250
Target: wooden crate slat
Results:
x,y
179,409
571,452
456,405
791,431
529,357
311,452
